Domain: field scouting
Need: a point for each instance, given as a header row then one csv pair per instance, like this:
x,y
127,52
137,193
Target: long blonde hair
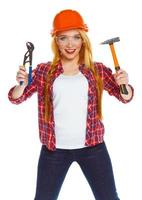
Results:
x,y
85,57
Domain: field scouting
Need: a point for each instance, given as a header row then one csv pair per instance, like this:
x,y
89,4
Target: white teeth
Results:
x,y
70,51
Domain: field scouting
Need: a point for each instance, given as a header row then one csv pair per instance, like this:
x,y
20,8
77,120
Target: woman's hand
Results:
x,y
22,75
121,77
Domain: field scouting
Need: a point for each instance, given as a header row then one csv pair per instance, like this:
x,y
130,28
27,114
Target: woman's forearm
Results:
x,y
18,91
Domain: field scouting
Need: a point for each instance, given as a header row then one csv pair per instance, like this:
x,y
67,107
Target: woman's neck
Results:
x,y
70,67
70,64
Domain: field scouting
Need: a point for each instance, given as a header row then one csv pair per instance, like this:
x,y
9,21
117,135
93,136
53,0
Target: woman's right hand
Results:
x,y
22,75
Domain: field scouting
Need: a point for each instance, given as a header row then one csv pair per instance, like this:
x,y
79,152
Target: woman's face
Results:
x,y
69,44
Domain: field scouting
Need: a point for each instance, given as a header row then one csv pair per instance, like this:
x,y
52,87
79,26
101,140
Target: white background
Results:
x,y
31,20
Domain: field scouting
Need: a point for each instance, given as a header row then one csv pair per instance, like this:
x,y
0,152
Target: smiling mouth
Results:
x,y
70,51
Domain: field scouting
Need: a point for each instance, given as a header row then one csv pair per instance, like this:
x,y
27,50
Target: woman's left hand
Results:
x,y
121,77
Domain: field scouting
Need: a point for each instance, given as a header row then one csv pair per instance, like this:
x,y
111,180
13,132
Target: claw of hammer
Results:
x,y
110,41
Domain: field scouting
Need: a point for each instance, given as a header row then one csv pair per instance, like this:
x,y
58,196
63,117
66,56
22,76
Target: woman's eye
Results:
x,y
77,37
62,38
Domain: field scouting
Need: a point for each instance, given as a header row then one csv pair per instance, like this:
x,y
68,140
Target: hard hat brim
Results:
x,y
55,32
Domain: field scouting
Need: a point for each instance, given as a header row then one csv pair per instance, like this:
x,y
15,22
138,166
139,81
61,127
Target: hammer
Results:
x,y
116,64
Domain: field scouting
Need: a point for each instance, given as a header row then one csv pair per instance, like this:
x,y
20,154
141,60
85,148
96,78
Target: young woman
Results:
x,y
70,114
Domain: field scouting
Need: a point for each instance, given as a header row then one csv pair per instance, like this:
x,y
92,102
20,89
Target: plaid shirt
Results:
x,y
94,126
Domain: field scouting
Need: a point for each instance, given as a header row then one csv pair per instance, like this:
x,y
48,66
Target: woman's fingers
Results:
x,y
22,75
121,77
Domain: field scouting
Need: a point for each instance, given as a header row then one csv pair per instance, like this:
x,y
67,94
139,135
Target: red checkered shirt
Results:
x,y
94,126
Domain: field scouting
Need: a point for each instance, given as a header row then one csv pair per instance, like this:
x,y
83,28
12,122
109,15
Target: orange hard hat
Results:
x,y
67,20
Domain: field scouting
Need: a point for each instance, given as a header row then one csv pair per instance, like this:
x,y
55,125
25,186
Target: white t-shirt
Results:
x,y
70,100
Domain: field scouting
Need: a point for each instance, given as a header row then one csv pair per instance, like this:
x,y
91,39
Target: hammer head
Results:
x,y
111,41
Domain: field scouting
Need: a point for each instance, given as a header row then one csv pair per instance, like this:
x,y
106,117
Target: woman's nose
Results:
x,y
70,42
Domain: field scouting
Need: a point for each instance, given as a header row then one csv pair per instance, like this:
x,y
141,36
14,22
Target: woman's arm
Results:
x,y
20,93
112,82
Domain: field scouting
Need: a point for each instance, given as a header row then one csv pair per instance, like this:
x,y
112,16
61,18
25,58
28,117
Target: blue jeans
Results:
x,y
94,162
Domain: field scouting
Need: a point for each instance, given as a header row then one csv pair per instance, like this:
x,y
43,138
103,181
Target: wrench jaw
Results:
x,y
28,61
28,54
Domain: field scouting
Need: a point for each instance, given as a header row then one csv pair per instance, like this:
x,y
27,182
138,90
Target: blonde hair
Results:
x,y
85,57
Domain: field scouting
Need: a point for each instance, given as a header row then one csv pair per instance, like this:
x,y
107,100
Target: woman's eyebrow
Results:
x,y
69,35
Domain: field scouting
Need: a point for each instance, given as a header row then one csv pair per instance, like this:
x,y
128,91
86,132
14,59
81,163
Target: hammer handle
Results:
x,y
123,88
114,55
